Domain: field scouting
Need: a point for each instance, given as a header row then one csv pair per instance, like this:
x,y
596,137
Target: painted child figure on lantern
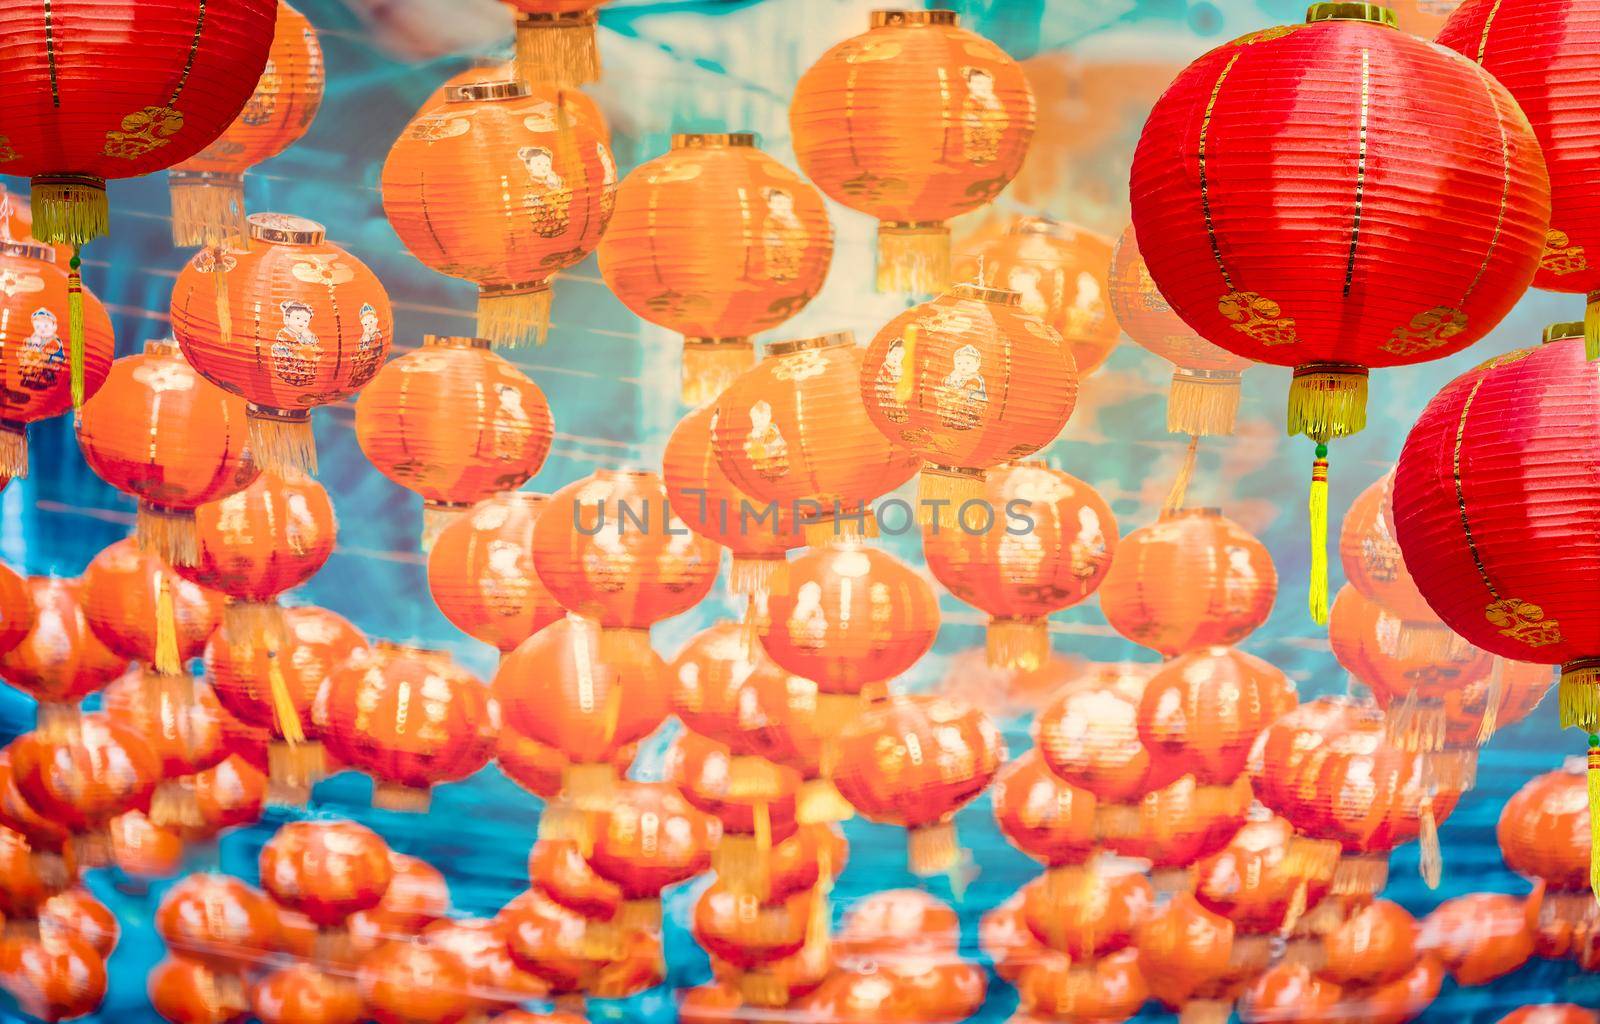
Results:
x,y
296,349
504,583
768,451
887,383
551,207
43,356
964,396
783,239
983,117
511,424
369,347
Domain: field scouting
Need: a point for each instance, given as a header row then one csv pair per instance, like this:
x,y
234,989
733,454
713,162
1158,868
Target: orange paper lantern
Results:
x,y
184,991
415,983
84,777
716,241
217,920
163,434
60,660
912,122
455,423
503,186
1544,831
17,613
481,575
288,321
1042,814
208,188
1204,709
53,979
326,869
143,611
649,838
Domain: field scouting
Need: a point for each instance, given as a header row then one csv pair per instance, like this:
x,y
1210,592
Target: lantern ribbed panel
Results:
x,y
268,538
1042,814
1547,53
1495,506
711,504
1371,556
1192,579
1204,709
481,574
969,380
311,644
87,775
61,659
1544,831
1149,320
1339,192
1365,637
454,422
326,869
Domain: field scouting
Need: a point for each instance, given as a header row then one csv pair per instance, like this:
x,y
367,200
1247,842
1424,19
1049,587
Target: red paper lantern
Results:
x,y
416,897
143,611
1050,552
649,838
217,920
208,188
326,869
1372,560
286,320
165,435
61,660
410,718
35,292
53,979
1186,954
1317,123
1042,814
1374,945
1204,709
481,575
455,423
912,122
1090,737
181,722
1255,881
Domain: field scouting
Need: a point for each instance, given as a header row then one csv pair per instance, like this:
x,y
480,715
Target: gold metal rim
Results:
x,y
262,412
285,229
161,347
885,18
713,140
793,345
453,341
181,177
1352,10
498,90
1307,369
557,19
28,250
983,293
1558,332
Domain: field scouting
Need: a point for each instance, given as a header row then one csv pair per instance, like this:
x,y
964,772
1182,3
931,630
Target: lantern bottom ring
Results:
x,y
1327,400
13,448
69,209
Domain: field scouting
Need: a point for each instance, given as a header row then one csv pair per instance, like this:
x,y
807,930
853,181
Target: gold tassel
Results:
x,y
1018,643
282,441
170,533
913,258
1431,863
557,49
942,491
1317,506
933,849
514,316
710,365
1180,484
1579,695
1203,402
752,576
75,327
69,209
207,208
1296,908
1327,401
1491,701
13,449
1594,814
1591,328
168,661
392,796
285,714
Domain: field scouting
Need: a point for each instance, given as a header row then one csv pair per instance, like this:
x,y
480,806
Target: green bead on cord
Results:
x,y
1322,451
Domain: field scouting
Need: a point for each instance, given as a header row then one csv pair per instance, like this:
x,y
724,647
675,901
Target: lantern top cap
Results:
x,y
1351,10
285,229
1560,332
28,249
452,341
558,19
998,296
1204,512
397,648
504,89
713,140
883,19
532,499
622,473
162,347
789,347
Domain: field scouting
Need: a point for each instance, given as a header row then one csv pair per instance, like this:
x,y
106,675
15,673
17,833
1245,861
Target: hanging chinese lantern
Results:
x,y
270,679
717,241
752,798
484,70
84,777
539,768
1187,960
1090,737
208,188
40,845
1042,814
1480,936
1203,399
1290,991
217,920
481,575
186,991
52,979
410,718
160,432
143,611
558,871
1322,290
455,423
287,321
1217,582
1374,566
17,613
1110,988
61,660
1098,915
503,185
179,79
1059,272
547,939
713,506
794,432
1544,835
861,997
1255,881
558,689
1051,553
912,122
555,41
795,726
627,571
37,294
303,992
1556,37
1375,945
945,380
181,722
913,762
647,839
414,983
1493,514
751,937
1205,708
902,922
23,887
326,869
229,793
259,542
494,980
417,896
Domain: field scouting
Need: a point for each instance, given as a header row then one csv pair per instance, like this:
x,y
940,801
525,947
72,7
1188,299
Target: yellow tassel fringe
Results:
x,y
69,209
913,259
1579,695
1591,328
168,662
1203,403
1317,507
515,317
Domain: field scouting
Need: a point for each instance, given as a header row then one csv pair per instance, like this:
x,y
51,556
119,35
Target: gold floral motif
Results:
x,y
212,259
1267,35
873,50
1427,331
1516,355
143,131
440,126
1258,318
324,270
1561,257
867,185
1523,622
13,284
800,365
7,150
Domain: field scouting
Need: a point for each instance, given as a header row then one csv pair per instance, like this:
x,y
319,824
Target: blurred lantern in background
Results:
x,y
143,611
61,660
647,839
17,612
555,41
624,571
169,438
1217,585
411,719
1480,936
1042,814
1051,553
1544,834
1203,399
37,295
313,327
717,241
794,432
1547,54
946,380
208,188
1318,292
326,869
1060,272
504,186
912,122
481,574
455,423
